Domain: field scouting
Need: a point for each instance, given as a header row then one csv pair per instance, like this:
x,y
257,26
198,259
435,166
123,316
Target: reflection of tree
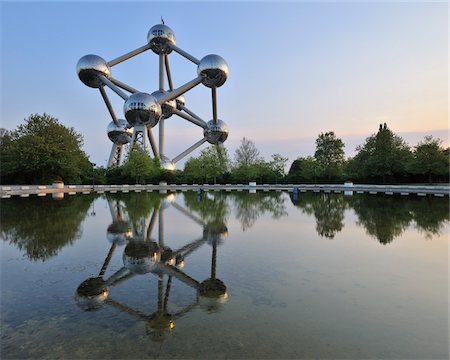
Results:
x,y
138,205
327,208
249,207
41,226
213,208
383,217
430,214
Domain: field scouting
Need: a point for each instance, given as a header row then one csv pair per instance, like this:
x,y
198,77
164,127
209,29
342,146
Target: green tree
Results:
x,y
330,155
304,169
429,159
277,165
383,155
215,161
247,161
139,166
41,150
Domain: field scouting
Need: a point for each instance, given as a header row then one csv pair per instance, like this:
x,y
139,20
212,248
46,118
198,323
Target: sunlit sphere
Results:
x,y
141,258
89,67
215,233
159,326
216,133
214,70
167,165
91,294
168,256
119,232
168,106
213,294
119,134
181,101
142,109
168,200
160,37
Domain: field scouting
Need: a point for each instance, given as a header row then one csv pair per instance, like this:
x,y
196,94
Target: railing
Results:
x,y
420,190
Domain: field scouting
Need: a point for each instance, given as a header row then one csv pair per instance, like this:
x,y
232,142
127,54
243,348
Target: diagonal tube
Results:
x,y
188,150
113,87
188,214
198,122
185,54
108,105
181,90
123,86
129,55
152,142
168,73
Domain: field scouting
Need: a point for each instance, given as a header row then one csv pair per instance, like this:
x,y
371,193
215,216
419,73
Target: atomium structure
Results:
x,y
144,111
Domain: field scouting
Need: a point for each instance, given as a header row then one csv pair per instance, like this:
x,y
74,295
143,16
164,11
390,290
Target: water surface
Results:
x,y
224,275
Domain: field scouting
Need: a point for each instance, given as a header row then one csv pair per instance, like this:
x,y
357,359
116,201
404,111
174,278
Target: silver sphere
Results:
x,y
167,165
119,134
91,294
119,232
89,68
160,37
141,258
213,294
216,133
167,107
142,108
168,200
181,101
214,70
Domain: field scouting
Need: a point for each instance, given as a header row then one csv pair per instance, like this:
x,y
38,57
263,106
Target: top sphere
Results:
x,y
160,37
89,67
214,70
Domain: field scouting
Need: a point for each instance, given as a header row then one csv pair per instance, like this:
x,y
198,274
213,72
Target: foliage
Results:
x,y
42,150
139,166
329,155
304,170
429,159
383,155
47,225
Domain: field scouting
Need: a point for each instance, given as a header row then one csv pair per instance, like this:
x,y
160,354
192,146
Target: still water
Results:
x,y
224,275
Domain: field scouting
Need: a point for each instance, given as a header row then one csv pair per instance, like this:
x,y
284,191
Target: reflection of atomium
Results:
x,y
143,111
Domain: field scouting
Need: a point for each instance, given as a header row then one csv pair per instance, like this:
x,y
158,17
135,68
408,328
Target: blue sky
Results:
x,y
296,68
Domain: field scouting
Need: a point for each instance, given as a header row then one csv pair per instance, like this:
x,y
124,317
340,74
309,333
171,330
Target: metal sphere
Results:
x,y
142,108
119,134
167,165
213,294
181,101
215,233
141,258
160,37
119,232
214,70
91,294
216,133
167,107
89,67
168,200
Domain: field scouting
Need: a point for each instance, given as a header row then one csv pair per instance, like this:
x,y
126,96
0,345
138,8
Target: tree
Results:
x,y
277,166
215,161
429,158
304,169
41,150
330,155
246,161
139,166
247,154
383,154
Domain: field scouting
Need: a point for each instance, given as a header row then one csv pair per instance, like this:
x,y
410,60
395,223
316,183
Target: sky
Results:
x,y
297,69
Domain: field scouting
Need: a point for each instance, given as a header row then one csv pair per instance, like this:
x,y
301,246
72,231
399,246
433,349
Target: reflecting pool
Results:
x,y
224,275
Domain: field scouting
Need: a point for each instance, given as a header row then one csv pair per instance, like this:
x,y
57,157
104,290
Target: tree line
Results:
x,y
43,150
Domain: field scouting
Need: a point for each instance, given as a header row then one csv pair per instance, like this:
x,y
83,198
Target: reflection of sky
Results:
x,y
292,293
296,69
